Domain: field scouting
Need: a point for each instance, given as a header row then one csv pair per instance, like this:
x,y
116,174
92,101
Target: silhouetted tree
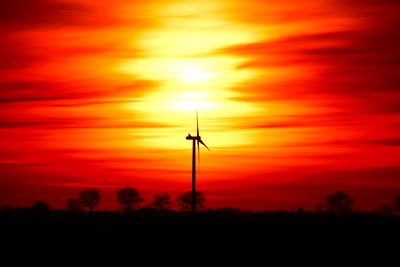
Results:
x,y
184,200
396,203
161,202
339,203
89,198
128,198
74,205
41,206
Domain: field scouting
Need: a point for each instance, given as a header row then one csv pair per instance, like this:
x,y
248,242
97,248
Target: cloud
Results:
x,y
356,63
344,52
386,142
22,91
88,92
41,13
78,123
38,32
14,53
367,180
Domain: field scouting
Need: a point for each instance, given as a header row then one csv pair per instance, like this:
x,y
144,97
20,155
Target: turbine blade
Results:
x,y
198,153
197,122
203,143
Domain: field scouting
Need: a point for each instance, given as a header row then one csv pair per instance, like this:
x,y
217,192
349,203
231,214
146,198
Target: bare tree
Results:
x,y
128,198
184,201
89,198
161,202
74,205
339,203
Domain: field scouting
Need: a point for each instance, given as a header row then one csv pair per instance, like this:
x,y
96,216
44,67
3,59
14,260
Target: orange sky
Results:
x,y
297,99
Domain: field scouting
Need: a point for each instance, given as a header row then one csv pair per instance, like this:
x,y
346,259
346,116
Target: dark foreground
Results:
x,y
304,238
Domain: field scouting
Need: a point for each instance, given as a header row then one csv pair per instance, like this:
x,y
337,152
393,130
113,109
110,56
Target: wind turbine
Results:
x,y
196,141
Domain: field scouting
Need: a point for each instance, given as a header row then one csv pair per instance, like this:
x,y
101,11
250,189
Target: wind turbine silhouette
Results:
x,y
196,141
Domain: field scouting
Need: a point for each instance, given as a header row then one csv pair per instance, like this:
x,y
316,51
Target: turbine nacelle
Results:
x,y
198,139
190,137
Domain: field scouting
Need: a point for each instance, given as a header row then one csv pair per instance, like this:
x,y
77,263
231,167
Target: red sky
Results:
x,y
297,99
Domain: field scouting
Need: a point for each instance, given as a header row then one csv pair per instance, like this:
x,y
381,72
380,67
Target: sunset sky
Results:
x,y
296,100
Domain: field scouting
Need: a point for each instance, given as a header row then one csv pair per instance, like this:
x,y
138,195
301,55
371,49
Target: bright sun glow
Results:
x,y
182,56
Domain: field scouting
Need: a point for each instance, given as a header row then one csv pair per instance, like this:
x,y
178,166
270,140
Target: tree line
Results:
x,y
128,199
342,203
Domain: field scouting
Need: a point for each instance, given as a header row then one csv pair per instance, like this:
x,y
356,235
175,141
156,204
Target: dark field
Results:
x,y
284,236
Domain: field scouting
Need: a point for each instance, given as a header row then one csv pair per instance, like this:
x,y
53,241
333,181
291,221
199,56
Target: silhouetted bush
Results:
x,y
161,202
226,211
384,209
128,198
74,205
89,198
41,206
147,211
339,203
320,207
6,207
184,201
396,203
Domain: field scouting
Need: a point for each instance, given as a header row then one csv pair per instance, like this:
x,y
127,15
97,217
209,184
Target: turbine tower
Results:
x,y
196,140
